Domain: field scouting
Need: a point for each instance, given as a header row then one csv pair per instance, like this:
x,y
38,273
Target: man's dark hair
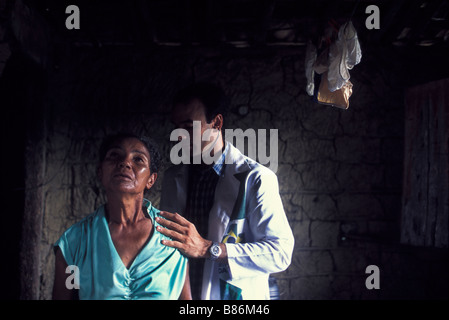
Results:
x,y
211,96
155,156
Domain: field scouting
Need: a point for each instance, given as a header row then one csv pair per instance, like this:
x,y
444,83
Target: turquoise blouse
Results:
x,y
157,272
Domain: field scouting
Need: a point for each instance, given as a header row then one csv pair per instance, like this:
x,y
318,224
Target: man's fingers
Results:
x,y
170,233
182,233
174,217
170,225
173,244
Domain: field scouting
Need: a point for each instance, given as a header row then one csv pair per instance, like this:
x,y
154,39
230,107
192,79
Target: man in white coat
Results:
x,y
227,217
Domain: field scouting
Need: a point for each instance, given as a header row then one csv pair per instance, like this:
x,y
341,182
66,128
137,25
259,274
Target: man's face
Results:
x,y
183,116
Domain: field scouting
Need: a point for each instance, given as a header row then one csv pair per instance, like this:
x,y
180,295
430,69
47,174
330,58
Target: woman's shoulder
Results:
x,y
152,211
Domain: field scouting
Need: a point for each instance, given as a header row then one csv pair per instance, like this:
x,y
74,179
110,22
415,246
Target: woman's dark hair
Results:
x,y
213,98
155,156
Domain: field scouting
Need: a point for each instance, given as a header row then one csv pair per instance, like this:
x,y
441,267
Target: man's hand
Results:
x,y
184,234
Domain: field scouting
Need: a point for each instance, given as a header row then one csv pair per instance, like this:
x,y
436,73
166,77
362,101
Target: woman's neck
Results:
x,y
124,210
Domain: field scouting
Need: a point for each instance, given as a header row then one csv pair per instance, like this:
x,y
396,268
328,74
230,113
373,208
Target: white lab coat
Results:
x,y
263,240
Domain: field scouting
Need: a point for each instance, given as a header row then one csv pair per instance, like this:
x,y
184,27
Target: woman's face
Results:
x,y
126,167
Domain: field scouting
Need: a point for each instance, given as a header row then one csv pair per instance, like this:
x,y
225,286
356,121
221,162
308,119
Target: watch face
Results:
x,y
215,250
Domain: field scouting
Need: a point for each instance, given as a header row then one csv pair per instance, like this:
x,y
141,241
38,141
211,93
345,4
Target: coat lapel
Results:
x,y
230,194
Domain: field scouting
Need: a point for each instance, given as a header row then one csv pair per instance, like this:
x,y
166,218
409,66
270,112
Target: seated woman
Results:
x,y
116,249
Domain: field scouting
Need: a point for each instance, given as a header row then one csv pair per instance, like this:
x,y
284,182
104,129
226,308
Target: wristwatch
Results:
x,y
214,251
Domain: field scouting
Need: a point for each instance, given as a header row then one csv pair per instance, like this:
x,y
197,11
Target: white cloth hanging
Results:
x,y
310,72
344,54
